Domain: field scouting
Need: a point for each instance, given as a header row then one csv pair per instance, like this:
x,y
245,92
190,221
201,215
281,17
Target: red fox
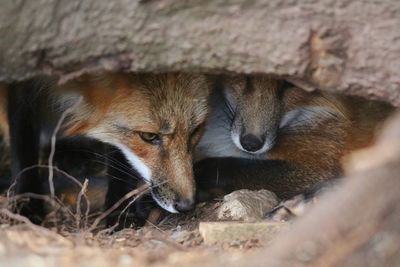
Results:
x,y
264,132
155,120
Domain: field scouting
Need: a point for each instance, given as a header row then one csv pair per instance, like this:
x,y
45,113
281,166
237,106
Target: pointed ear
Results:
x,y
80,127
78,113
97,90
94,94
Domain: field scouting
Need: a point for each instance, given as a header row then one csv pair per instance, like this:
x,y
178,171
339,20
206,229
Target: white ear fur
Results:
x,y
67,99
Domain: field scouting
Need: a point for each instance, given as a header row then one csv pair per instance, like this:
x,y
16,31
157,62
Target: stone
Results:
x,y
328,51
221,232
247,205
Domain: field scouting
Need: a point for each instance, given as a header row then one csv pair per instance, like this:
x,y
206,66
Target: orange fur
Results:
x,y
118,107
353,127
4,131
308,134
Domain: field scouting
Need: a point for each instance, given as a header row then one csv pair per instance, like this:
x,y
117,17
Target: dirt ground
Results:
x,y
339,231
174,241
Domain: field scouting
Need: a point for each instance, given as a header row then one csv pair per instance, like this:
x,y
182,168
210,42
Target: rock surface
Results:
x,y
220,232
247,205
346,45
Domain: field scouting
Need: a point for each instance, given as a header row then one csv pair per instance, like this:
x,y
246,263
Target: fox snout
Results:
x,y
168,198
254,143
184,204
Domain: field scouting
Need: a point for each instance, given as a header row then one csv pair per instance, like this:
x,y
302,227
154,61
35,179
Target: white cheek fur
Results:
x,y
136,162
140,167
236,140
145,172
133,159
167,206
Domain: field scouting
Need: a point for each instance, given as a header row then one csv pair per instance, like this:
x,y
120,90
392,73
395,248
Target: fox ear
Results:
x,y
78,113
88,97
96,90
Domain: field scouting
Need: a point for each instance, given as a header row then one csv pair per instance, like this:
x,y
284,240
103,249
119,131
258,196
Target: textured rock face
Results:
x,y
351,46
247,205
220,232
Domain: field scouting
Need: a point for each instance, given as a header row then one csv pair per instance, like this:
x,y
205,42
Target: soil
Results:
x,y
173,241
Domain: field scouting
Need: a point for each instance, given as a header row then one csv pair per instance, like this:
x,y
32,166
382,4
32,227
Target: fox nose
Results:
x,y
251,142
184,205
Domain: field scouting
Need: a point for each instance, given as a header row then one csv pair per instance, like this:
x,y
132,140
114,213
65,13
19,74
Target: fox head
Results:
x,y
156,121
261,106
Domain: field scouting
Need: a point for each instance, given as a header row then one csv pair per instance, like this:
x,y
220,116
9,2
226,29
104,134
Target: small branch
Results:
x,y
53,143
82,192
134,193
12,199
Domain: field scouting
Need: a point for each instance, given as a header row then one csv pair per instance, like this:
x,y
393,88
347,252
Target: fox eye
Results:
x,y
151,138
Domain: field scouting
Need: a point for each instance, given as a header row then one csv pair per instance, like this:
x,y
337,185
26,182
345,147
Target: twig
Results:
x,y
53,143
82,192
12,199
155,227
46,198
134,193
73,179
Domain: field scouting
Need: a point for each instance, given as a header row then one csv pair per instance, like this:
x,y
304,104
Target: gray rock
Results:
x,y
220,232
247,205
350,46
